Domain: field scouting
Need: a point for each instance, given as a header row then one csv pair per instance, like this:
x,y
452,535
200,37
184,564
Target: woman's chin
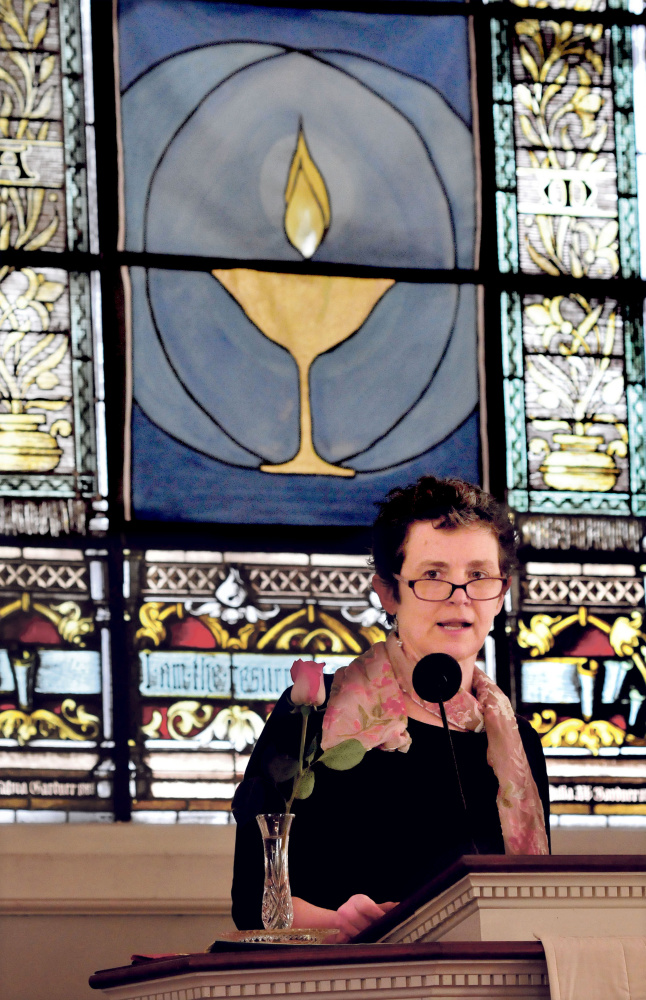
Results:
x,y
459,644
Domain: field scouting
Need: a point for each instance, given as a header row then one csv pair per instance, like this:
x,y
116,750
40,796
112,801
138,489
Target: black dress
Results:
x,y
383,828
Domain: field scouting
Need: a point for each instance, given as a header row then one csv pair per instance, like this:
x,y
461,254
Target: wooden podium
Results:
x,y
470,933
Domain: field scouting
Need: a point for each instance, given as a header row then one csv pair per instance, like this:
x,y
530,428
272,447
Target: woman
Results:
x,y
443,552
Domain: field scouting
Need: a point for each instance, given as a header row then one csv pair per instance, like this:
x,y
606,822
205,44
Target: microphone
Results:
x,y
437,677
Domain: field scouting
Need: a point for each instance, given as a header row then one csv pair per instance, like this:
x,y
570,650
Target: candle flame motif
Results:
x,y
307,314
307,211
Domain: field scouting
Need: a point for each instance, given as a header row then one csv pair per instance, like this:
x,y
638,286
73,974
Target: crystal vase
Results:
x,y
277,910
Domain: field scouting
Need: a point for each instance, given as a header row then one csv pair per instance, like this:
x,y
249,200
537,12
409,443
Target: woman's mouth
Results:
x,y
455,626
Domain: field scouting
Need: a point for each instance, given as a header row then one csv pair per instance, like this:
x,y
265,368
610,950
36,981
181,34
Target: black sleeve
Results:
x,y
536,759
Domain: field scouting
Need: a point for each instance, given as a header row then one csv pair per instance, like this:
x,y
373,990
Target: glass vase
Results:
x,y
277,910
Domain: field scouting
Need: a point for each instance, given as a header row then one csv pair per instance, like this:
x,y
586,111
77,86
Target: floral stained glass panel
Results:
x,y
574,376
48,466
566,167
44,142
574,382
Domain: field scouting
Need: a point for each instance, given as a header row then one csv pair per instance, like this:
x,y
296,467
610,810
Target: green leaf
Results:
x,y
305,785
310,753
282,767
343,756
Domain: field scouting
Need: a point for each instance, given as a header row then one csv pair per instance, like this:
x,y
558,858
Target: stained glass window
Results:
x,y
216,635
303,209
50,483
55,688
340,139
573,371
56,735
567,206
582,682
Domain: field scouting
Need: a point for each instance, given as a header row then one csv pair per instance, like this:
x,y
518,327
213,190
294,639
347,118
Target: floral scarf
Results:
x,y
366,704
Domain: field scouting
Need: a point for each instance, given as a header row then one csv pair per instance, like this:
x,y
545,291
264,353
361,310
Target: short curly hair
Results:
x,y
452,503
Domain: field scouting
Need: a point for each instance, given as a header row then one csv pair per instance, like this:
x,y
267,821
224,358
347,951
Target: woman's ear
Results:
x,y
501,599
385,594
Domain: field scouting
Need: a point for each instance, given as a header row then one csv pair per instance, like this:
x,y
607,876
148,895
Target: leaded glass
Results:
x,y
55,694
566,87
48,443
574,395
42,144
639,77
335,141
573,361
581,680
47,432
216,635
230,426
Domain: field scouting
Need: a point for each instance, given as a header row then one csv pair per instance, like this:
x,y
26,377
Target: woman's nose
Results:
x,y
459,595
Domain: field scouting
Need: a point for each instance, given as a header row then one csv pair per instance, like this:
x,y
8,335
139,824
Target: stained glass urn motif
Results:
x,y
25,448
578,465
277,910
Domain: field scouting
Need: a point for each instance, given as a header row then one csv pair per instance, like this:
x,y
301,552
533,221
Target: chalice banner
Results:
x,y
258,134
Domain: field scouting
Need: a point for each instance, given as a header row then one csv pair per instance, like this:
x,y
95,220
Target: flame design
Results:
x,y
307,211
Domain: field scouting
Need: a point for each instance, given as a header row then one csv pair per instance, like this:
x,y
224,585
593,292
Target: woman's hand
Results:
x,y
353,916
357,913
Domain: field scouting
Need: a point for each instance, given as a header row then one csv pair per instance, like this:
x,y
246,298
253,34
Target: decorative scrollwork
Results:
x,y
544,721
74,723
373,634
66,617
310,630
625,634
588,735
152,616
239,725
627,641
153,728
194,722
225,639
186,716
34,364
578,5
71,625
307,630
539,637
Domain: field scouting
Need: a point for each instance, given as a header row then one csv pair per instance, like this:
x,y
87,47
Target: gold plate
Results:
x,y
296,935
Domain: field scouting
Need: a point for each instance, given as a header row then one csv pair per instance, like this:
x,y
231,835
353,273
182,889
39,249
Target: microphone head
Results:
x,y
437,677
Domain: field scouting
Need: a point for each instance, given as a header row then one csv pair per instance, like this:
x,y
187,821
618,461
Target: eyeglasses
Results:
x,y
485,589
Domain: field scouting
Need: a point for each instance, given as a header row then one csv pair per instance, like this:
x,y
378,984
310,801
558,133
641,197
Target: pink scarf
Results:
x,y
366,704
